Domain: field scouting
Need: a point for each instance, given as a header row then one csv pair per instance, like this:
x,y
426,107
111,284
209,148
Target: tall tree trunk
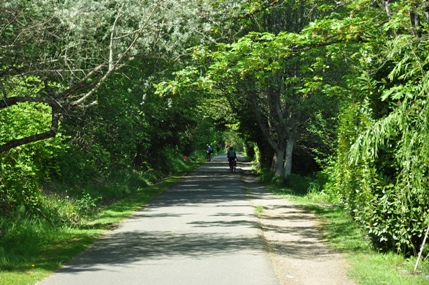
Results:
x,y
278,162
287,170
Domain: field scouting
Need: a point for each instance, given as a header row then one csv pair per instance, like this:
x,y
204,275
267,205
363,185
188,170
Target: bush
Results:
x,y
381,178
299,184
25,167
266,176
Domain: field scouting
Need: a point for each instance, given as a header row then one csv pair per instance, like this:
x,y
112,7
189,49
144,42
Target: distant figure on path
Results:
x,y
232,158
209,152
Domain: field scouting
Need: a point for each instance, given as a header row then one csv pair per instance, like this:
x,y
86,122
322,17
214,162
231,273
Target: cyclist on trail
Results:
x,y
209,152
232,158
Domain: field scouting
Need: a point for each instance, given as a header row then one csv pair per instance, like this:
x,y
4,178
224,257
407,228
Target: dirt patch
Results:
x,y
296,246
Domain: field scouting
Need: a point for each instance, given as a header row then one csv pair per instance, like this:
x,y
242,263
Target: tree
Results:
x,y
381,165
281,75
69,56
22,168
74,46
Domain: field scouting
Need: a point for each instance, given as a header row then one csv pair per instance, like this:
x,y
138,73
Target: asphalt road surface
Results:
x,y
203,231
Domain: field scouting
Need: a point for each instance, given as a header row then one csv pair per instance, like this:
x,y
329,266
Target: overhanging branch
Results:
x,y
52,132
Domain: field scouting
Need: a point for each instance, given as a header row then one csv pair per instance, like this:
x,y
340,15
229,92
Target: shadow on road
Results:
x,y
206,214
128,247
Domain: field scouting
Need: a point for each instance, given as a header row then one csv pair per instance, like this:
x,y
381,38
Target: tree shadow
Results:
x,y
210,185
294,230
130,247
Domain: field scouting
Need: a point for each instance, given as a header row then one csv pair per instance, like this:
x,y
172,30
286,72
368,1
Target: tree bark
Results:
x,y
278,162
426,12
288,161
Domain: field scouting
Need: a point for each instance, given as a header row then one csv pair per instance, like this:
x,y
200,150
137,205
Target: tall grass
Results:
x,y
29,234
31,249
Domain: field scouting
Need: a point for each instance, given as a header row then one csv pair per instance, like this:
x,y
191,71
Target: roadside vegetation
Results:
x,y
32,248
100,100
368,265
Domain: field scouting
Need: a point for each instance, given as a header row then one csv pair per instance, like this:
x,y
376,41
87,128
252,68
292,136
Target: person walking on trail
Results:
x,y
209,152
232,158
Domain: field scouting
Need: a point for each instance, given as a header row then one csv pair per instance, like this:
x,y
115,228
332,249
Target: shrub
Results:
x,y
299,184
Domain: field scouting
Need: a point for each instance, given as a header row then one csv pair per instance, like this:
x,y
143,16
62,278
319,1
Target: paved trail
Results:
x,y
201,231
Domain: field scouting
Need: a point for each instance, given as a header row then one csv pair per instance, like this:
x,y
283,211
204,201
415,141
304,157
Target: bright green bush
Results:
x,y
25,167
382,161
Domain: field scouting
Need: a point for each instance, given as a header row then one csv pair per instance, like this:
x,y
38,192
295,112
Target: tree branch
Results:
x,y
52,132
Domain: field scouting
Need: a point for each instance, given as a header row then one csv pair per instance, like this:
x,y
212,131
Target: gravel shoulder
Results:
x,y
294,240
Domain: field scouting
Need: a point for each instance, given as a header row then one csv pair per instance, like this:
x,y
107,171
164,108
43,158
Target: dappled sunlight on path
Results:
x,y
299,253
201,231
